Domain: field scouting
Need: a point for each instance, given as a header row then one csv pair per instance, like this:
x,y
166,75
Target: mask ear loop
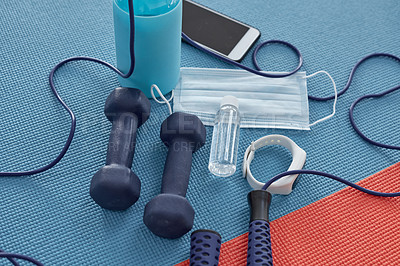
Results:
x,y
164,100
335,97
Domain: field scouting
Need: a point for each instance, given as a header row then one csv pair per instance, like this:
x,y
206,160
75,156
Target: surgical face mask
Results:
x,y
264,102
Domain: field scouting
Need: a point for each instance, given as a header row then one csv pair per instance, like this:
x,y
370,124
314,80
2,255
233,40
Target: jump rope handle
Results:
x,y
259,250
205,247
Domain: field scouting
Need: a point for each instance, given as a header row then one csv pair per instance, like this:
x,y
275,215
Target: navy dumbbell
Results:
x,y
205,247
170,214
115,186
259,250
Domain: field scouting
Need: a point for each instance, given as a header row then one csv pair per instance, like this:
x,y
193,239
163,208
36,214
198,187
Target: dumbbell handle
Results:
x,y
259,250
177,168
122,141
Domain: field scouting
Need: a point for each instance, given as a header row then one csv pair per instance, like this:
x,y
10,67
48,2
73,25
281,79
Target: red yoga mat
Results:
x,y
345,228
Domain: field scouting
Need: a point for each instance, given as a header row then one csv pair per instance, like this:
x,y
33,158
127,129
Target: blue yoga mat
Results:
x,y
51,217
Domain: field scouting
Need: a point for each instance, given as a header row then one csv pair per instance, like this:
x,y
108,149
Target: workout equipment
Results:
x,y
259,250
170,214
115,186
205,247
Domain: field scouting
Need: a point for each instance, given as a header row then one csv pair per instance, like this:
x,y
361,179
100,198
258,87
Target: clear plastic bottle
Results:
x,y
225,139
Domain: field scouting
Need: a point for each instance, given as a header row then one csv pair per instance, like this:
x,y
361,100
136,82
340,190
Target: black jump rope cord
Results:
x,y
257,71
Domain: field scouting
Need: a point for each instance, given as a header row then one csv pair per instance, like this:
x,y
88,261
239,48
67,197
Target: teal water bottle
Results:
x,y
158,27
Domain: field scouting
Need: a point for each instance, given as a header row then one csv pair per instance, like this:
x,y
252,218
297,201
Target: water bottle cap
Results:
x,y
231,100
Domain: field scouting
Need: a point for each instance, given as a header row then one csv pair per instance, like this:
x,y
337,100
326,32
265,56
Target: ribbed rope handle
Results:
x,y
259,250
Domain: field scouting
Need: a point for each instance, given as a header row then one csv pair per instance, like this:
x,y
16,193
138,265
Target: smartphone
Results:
x,y
217,32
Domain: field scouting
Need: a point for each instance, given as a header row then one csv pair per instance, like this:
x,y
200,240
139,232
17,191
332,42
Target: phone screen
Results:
x,y
211,29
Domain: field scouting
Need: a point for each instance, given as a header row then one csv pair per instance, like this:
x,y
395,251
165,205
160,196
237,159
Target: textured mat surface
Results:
x,y
345,228
51,216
